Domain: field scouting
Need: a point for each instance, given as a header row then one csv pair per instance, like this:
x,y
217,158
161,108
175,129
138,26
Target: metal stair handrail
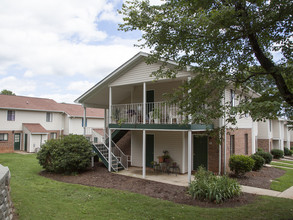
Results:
x,y
107,160
119,154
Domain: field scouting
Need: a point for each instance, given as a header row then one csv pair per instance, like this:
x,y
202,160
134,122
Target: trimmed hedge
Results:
x,y
241,164
69,154
265,155
277,154
207,186
258,162
287,152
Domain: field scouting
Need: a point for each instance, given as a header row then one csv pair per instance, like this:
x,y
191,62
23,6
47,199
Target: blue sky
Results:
x,y
59,49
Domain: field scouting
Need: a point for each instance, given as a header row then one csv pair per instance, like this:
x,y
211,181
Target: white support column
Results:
x,y
109,152
183,152
143,154
189,156
84,120
105,123
144,103
110,105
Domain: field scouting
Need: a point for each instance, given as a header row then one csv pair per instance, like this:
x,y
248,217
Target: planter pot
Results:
x,y
157,121
161,159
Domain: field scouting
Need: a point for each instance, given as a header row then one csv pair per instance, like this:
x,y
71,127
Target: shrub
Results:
x,y
207,186
260,150
240,164
258,162
265,155
291,151
277,154
287,152
68,154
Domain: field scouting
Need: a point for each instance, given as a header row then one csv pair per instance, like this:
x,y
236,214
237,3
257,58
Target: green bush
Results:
x,y
68,154
287,152
207,186
240,164
265,155
277,154
260,150
291,151
258,162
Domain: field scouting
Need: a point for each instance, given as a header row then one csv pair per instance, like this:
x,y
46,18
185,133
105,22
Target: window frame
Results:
x,y
232,145
49,116
232,97
10,115
246,144
53,135
4,135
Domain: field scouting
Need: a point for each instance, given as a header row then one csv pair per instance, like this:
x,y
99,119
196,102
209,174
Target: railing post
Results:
x,y
143,154
189,156
110,151
144,103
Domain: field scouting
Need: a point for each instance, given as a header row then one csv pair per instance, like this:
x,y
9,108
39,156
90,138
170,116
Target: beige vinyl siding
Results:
x,y
136,148
276,129
159,90
242,122
170,141
140,73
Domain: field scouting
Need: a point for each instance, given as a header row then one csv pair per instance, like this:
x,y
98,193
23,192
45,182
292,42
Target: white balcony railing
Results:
x,y
156,113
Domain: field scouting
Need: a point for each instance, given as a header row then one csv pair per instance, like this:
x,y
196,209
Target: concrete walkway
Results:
x,y
182,180
288,194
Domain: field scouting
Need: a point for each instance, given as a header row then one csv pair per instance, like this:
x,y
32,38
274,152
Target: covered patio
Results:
x,y
162,177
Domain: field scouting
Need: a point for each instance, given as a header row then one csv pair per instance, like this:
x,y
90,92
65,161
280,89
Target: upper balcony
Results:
x,y
159,115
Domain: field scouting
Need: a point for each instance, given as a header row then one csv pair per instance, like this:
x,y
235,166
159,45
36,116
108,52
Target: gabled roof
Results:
x,y
35,128
99,131
104,82
48,105
89,98
77,111
29,103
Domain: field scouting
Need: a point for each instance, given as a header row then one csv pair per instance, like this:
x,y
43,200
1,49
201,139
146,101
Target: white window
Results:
x,y
232,145
49,117
95,140
232,93
4,137
53,135
10,115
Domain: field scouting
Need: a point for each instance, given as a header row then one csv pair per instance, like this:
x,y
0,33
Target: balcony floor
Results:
x,y
162,126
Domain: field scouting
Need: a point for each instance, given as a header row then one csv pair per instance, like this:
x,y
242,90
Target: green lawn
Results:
x,y
285,161
36,197
282,165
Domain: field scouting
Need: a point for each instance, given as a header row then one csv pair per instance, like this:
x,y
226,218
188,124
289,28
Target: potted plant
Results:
x,y
157,115
161,159
166,156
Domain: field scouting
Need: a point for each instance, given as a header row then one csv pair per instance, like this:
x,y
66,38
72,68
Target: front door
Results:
x,y
25,142
150,143
17,141
200,152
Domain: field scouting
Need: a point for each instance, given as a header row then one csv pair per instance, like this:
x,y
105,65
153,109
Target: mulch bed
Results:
x,y
98,176
260,179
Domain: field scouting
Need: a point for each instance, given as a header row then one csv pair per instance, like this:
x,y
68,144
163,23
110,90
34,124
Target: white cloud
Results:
x,y
17,86
28,74
59,97
80,86
59,37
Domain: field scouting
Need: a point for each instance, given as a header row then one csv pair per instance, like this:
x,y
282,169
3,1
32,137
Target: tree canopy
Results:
x,y
244,44
6,92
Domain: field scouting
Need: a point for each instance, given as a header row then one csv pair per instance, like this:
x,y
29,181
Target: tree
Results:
x,y
247,44
6,92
